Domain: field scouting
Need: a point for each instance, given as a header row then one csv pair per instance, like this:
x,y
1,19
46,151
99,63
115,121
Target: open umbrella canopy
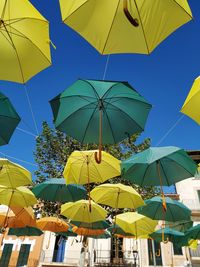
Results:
x,y
9,119
17,197
93,225
116,230
13,175
169,235
193,233
25,231
80,211
23,216
117,196
87,231
105,235
191,105
175,210
24,40
158,166
136,224
52,224
82,168
85,105
127,26
181,226
55,189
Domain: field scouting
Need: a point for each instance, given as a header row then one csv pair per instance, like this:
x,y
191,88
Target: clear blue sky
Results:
x,y
164,78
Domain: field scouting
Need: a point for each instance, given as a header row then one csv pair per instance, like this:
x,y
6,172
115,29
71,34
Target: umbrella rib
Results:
x,y
111,26
182,8
162,167
76,10
113,136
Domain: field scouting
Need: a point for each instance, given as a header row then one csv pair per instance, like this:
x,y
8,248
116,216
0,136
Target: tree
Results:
x,y
54,147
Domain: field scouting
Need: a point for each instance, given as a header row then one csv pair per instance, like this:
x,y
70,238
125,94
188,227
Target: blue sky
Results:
x,y
164,78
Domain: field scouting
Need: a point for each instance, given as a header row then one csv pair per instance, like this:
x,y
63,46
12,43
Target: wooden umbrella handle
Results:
x,y
128,15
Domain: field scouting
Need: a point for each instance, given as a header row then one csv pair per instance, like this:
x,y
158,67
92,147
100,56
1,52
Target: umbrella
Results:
x,y
116,230
103,112
170,235
158,166
135,224
93,225
9,119
4,216
17,197
117,196
55,189
13,175
191,104
87,231
105,235
122,26
181,226
193,233
81,167
52,224
24,39
23,216
25,231
175,210
80,211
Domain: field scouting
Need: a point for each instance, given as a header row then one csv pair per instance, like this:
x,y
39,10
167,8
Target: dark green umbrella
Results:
x,y
25,231
105,235
55,189
9,119
181,226
68,233
192,233
104,112
158,166
169,234
94,225
116,230
175,210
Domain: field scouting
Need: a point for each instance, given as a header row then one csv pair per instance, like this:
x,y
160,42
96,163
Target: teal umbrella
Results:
x,y
181,226
116,230
55,189
94,225
175,210
193,233
25,231
158,166
9,119
103,112
105,235
169,234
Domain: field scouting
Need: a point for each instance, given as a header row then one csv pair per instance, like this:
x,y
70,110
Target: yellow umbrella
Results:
x,y
122,26
24,40
117,196
13,175
136,224
191,105
17,197
52,224
80,211
81,168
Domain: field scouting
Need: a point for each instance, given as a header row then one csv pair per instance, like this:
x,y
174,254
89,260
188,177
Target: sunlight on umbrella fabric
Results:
x,y
147,24
24,40
81,168
191,106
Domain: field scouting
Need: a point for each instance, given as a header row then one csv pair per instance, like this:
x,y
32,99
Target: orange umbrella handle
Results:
x,y
98,155
128,15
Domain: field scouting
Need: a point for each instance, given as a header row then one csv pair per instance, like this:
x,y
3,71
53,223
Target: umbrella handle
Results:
x,y
98,155
165,241
128,15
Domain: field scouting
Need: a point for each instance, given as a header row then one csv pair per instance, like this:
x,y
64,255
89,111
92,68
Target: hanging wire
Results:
x,y
170,130
106,67
27,132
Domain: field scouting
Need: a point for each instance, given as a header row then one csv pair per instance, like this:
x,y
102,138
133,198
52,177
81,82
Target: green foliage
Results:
x,y
53,149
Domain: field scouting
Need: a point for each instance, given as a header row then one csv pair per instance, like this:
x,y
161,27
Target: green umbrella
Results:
x,y
116,230
169,234
25,231
55,189
94,225
181,226
9,119
175,210
105,235
103,112
193,233
158,166
68,233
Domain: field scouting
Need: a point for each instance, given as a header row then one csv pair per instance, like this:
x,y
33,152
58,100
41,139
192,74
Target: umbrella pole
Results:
x,y
98,154
164,206
88,183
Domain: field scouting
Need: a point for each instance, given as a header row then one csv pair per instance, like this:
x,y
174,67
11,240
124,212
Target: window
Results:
x,y
5,257
178,250
23,255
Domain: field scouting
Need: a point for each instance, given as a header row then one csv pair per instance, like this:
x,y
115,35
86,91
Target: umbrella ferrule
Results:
x,y
100,104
